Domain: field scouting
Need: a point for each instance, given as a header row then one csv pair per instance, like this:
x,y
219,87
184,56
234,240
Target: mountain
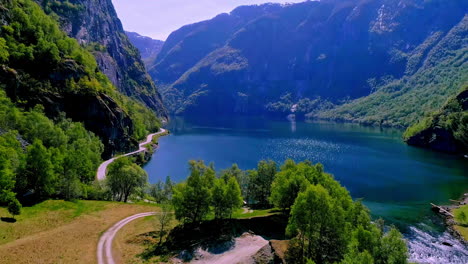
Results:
x,y
149,48
95,25
40,65
445,130
316,57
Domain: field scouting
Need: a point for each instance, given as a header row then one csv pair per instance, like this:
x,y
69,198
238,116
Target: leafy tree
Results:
x,y
226,197
156,191
320,225
287,185
124,177
163,220
233,196
14,207
392,249
261,180
7,181
241,177
38,174
191,200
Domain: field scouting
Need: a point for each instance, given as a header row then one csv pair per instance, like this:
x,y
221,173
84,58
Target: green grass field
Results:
x,y
461,216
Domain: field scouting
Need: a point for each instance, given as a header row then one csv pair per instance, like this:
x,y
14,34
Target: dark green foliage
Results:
x,y
162,191
192,198
61,162
226,197
14,207
124,178
327,226
38,174
202,192
43,65
260,181
452,119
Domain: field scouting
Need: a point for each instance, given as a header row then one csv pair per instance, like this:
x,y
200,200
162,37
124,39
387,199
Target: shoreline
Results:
x,y
449,219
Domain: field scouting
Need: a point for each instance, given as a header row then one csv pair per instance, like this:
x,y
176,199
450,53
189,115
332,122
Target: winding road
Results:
x,y
104,249
101,172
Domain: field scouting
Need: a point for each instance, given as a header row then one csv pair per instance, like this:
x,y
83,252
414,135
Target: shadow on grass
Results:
x,y
8,219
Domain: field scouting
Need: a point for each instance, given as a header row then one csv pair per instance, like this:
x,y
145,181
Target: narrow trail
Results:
x,y
104,249
101,172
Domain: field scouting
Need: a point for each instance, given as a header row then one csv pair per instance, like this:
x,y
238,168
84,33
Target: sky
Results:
x,y
158,18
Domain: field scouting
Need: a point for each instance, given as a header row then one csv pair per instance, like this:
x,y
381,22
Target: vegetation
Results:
x,y
325,224
124,178
452,117
61,161
461,217
45,227
42,61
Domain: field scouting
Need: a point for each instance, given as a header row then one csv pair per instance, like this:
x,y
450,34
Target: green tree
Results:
x,y
14,207
233,196
260,182
392,249
124,177
287,185
163,220
191,200
219,199
226,197
38,174
319,224
7,180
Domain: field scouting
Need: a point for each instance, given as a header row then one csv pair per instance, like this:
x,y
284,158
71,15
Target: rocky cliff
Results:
x,y
337,51
95,24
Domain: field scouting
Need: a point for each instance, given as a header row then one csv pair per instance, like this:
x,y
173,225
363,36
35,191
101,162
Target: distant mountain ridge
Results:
x,y
149,48
328,52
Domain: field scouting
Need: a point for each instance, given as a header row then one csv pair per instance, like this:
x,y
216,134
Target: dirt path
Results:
x,y
104,248
245,247
101,172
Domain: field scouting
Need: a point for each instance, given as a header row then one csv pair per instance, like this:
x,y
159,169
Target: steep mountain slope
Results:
x,y
95,25
149,48
39,64
249,59
446,130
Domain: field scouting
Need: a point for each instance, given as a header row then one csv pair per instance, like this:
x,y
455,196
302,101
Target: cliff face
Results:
x,y
337,50
95,25
149,48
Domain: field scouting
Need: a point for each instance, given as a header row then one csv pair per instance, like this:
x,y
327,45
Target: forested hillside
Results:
x,y
96,26
41,65
445,130
315,56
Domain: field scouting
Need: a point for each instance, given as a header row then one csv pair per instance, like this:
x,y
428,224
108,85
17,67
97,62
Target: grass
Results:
x,y
461,216
44,216
57,231
136,237
238,214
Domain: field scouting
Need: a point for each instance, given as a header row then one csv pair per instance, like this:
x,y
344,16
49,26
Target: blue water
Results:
x,y
396,181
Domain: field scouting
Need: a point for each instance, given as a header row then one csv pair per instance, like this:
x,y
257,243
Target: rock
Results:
x,y
445,243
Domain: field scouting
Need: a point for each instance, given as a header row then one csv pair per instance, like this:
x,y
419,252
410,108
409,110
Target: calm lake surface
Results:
x,y
397,182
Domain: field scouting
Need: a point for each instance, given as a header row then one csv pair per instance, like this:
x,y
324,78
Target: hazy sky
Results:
x,y
158,18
